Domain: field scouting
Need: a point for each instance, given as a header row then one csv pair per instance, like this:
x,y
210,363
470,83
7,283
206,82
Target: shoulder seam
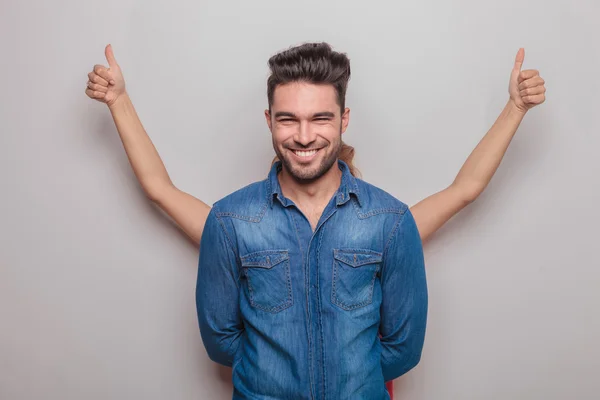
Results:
x,y
229,241
255,218
393,233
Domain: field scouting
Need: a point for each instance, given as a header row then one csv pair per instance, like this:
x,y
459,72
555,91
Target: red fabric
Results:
x,y
390,388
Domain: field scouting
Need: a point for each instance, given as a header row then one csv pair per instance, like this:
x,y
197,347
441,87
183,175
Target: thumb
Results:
x,y
519,60
110,57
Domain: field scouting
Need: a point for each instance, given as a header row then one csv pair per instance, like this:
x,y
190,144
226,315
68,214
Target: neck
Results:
x,y
315,192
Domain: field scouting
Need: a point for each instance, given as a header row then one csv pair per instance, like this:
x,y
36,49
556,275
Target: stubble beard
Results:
x,y
306,174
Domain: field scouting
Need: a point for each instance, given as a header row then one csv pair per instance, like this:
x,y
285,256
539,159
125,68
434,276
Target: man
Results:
x,y
107,85
311,282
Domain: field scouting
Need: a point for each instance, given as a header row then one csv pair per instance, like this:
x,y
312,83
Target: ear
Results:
x,y
268,118
345,119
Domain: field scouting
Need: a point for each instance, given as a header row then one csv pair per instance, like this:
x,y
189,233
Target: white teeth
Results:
x,y
305,153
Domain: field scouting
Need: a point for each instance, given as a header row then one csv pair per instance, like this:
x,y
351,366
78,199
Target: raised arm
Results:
x,y
526,90
107,85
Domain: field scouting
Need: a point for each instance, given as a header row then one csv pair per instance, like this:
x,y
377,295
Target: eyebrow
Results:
x,y
280,114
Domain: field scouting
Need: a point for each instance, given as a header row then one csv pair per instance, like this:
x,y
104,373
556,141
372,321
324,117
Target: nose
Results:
x,y
306,134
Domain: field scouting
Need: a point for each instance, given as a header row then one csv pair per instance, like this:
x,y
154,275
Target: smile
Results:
x,y
305,154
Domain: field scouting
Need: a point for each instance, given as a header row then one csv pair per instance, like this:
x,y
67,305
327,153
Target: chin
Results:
x,y
309,172
305,174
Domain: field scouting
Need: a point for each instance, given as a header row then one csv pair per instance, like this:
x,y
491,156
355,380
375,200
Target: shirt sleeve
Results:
x,y
405,299
217,293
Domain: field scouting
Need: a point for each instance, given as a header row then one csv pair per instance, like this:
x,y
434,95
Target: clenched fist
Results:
x,y
526,88
106,84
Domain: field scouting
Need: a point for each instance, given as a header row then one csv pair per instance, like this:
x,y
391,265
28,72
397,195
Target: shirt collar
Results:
x,y
348,185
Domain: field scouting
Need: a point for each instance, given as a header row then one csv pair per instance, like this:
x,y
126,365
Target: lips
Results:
x,y
304,155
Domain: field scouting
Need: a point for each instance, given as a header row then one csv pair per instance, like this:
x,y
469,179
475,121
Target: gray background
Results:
x,y
97,286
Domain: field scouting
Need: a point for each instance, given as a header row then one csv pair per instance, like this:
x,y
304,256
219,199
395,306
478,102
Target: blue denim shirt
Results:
x,y
329,314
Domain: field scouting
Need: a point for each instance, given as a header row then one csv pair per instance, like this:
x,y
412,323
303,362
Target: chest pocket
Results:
x,y
267,274
354,274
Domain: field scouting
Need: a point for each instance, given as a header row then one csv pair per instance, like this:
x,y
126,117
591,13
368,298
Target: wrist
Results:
x,y
514,108
118,101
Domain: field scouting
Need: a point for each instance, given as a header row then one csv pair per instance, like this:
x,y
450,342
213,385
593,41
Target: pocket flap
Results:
x,y
357,257
264,259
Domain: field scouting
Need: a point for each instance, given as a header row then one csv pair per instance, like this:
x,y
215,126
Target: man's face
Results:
x,y
307,128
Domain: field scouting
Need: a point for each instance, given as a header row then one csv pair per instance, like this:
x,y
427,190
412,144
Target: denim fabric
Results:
x,y
329,314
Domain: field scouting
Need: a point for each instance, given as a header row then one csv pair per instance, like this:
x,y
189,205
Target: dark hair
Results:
x,y
313,63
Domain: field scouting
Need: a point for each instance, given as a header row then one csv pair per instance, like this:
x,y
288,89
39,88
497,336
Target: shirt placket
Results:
x,y
313,242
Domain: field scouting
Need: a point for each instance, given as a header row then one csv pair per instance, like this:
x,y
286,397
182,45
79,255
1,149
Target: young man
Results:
x,y
306,196
299,273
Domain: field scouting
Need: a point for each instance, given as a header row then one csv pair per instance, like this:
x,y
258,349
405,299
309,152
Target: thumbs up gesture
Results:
x,y
526,88
106,84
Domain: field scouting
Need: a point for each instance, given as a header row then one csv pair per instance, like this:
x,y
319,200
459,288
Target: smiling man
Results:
x,y
312,281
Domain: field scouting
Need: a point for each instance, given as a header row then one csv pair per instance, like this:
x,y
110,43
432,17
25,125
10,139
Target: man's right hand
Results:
x,y
106,84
